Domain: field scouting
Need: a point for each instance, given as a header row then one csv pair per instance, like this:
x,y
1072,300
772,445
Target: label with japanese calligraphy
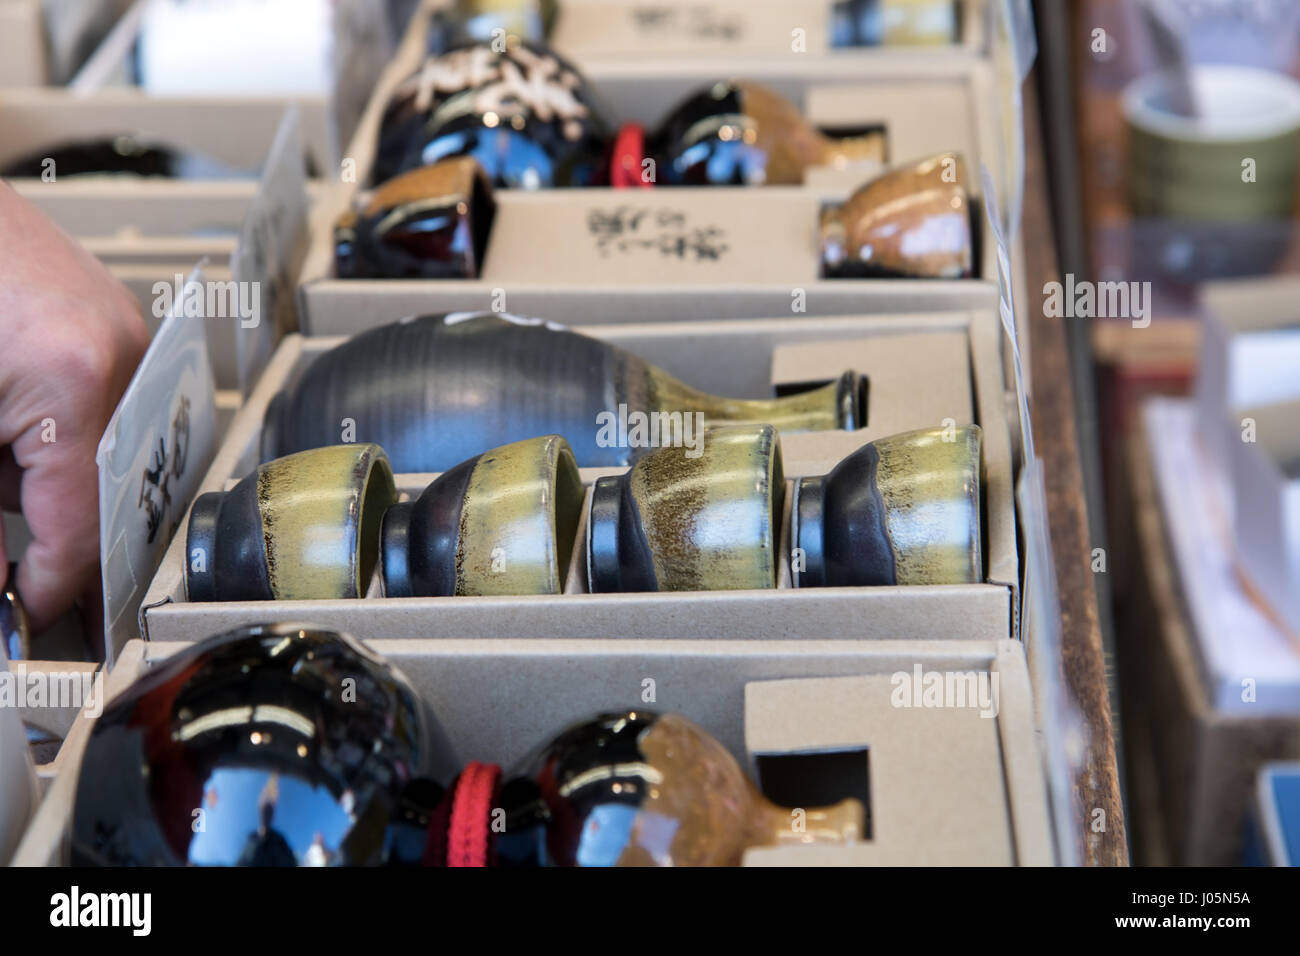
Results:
x,y
663,233
153,455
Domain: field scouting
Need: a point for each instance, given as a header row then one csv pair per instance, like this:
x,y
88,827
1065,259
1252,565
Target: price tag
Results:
x,y
1013,49
152,457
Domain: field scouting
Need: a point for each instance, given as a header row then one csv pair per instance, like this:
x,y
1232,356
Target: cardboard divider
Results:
x,y
23,60
237,131
947,785
946,365
589,32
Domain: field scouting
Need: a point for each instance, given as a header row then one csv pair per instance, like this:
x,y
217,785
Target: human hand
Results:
x,y
71,336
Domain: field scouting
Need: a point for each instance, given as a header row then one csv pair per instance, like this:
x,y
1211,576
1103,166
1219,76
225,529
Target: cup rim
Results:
x,y
1141,112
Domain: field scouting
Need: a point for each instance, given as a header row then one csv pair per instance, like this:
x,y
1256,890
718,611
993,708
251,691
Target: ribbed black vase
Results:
x,y
437,390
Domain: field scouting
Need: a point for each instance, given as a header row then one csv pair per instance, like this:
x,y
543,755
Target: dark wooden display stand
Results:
x,y
1055,438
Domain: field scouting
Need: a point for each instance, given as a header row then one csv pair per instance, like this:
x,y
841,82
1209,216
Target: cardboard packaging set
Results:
x,y
776,675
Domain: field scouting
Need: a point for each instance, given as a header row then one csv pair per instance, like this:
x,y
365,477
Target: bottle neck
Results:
x,y
837,405
836,825
850,150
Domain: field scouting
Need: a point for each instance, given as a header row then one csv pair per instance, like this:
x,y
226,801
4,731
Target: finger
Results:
x,y
60,493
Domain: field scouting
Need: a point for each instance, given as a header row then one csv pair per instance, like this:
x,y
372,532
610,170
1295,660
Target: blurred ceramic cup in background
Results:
x,y
1220,178
503,522
302,527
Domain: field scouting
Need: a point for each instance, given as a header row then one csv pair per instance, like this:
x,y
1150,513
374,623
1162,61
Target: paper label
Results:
x,y
659,233
1013,48
152,457
263,264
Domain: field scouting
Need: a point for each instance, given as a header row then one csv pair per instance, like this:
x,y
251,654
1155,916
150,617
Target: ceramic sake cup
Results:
x,y
913,221
303,527
504,522
677,522
899,510
429,223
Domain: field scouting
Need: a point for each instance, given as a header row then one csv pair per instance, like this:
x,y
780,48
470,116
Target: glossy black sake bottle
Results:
x,y
437,390
271,745
525,114
637,788
738,133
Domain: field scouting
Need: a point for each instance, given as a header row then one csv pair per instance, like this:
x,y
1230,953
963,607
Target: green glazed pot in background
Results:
x,y
1181,167
899,510
501,523
681,523
302,527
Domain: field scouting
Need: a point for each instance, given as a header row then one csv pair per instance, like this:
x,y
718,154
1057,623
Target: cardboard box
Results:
x,y
1266,529
923,369
946,786
232,130
1250,350
590,31
928,104
1189,756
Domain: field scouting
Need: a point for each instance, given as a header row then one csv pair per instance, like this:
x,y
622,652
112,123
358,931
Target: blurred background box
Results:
x,y
23,59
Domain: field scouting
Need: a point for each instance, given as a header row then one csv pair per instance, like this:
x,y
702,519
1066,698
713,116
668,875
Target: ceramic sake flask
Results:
x,y
683,522
900,510
524,113
501,523
644,789
301,527
14,629
430,223
913,221
273,745
737,133
437,390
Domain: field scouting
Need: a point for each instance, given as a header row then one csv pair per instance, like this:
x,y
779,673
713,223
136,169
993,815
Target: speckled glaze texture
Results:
x,y
741,133
255,733
502,523
681,523
434,391
301,527
430,223
641,789
913,221
900,510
